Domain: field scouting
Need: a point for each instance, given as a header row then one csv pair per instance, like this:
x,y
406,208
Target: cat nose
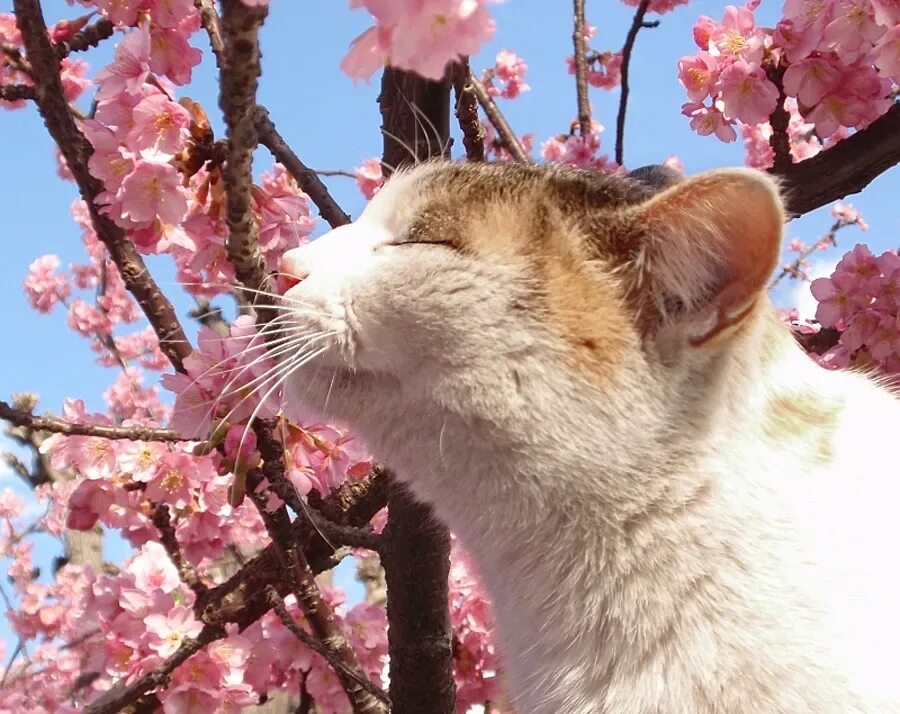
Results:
x,y
289,274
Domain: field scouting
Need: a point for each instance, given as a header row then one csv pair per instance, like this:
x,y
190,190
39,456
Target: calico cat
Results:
x,y
672,507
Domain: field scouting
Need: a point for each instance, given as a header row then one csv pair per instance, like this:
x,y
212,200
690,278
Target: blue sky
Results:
x,y
332,123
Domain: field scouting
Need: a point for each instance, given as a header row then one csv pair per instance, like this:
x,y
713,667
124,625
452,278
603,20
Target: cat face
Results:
x,y
453,269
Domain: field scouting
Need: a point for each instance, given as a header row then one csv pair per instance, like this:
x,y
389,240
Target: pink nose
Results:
x,y
289,275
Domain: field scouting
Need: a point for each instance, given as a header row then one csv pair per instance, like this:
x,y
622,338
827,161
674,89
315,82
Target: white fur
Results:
x,y
647,547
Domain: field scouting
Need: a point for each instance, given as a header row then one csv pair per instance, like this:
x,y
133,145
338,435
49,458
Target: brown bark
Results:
x,y
847,167
416,548
54,109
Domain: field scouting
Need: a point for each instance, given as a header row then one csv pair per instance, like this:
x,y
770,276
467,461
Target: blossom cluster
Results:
x,y
861,299
836,62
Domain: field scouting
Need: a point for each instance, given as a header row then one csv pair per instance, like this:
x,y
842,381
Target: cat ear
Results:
x,y
709,245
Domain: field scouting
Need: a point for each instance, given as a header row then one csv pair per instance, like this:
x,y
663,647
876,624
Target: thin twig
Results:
x,y
495,116
467,112
76,150
305,177
636,24
61,426
84,39
794,268
334,172
211,23
317,611
120,696
320,649
162,519
578,39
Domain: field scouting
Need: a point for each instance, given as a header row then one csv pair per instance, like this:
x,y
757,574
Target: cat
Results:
x,y
673,508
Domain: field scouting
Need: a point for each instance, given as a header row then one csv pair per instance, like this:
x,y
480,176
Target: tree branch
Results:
x,y
305,177
84,39
416,549
847,167
584,105
120,696
495,116
319,648
213,26
162,519
76,150
237,98
61,426
16,92
636,24
317,611
779,120
467,111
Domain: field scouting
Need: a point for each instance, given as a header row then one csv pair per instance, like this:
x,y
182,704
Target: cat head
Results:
x,y
454,269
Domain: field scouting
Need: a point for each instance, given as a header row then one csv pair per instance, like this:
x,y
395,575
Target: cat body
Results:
x,y
673,508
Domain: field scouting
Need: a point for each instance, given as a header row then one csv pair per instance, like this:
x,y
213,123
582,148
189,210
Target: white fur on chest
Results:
x,y
622,586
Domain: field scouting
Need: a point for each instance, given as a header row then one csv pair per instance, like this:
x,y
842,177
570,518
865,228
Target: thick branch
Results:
x,y
305,177
467,112
416,551
76,150
416,563
237,97
495,116
584,105
847,167
779,120
636,24
61,426
818,342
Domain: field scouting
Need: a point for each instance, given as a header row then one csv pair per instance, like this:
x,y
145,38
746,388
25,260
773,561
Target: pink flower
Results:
x,y
130,67
885,340
152,189
44,286
811,79
89,501
418,35
121,12
887,54
698,74
853,29
747,93
176,476
734,36
703,30
168,632
369,177
159,124
172,56
171,13
153,570
848,215
509,69
709,120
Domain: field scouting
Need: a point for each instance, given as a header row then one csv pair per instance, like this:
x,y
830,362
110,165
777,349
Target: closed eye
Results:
x,y
444,243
